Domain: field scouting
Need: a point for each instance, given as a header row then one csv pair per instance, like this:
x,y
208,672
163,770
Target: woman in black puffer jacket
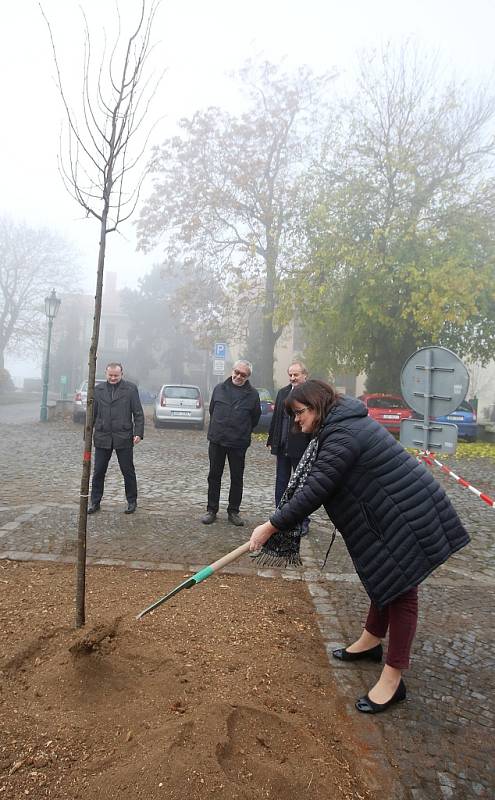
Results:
x,y
396,521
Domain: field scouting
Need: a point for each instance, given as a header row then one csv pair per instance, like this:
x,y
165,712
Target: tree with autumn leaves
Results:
x,y
225,198
400,226
368,217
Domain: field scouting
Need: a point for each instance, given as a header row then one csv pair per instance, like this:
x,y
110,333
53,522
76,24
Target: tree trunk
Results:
x,y
268,341
268,336
383,374
88,433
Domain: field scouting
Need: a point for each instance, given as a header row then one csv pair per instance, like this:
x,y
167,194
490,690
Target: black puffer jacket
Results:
x,y
297,442
117,420
234,413
396,520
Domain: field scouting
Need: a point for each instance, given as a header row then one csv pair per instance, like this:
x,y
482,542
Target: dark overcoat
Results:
x,y
118,415
297,441
396,520
234,413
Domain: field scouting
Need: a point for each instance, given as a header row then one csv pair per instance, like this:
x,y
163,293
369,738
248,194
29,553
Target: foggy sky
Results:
x,y
198,42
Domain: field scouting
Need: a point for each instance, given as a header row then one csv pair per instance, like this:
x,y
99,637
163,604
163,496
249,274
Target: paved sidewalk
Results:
x,y
439,742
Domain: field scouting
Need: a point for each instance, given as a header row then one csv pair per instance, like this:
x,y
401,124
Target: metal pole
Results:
x,y
44,396
428,393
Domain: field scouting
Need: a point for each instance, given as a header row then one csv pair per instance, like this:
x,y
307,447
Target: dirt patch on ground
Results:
x,y
223,692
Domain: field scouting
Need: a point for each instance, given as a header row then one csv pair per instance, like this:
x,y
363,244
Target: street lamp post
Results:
x,y
52,305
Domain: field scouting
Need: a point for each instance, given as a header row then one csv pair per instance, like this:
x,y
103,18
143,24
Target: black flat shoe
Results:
x,y
131,507
93,508
367,706
374,654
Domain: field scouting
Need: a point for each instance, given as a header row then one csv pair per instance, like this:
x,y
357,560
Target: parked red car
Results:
x,y
387,409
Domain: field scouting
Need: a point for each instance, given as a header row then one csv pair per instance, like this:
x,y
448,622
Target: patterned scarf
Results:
x,y
282,548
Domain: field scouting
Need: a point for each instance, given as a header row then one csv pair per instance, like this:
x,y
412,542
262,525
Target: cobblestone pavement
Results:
x,y
439,743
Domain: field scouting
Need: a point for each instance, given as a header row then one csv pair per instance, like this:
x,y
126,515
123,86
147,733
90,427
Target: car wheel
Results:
x,y
77,418
200,426
156,423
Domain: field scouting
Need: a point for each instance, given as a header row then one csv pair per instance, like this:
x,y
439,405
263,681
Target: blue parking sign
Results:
x,y
220,349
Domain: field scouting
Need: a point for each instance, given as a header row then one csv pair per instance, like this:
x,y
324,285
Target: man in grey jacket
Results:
x,y
118,421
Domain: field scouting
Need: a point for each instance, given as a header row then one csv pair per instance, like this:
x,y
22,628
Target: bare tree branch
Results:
x,y
98,161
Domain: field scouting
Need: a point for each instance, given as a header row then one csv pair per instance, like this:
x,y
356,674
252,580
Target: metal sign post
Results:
x,y
434,382
220,350
440,437
219,356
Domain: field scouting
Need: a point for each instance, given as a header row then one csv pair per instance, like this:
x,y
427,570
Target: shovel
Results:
x,y
199,576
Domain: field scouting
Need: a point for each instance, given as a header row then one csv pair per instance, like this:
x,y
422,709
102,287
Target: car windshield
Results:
x,y
84,387
181,392
265,395
385,402
464,406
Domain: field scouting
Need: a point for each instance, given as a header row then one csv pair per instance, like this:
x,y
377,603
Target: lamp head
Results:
x,y
52,305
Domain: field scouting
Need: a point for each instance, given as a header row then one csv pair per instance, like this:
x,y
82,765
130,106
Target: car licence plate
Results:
x,y
181,413
391,416
455,419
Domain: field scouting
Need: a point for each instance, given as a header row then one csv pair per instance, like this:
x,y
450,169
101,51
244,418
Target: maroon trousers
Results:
x,y
400,618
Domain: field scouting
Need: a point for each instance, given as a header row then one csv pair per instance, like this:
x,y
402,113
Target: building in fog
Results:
x,y
72,333
166,353
168,356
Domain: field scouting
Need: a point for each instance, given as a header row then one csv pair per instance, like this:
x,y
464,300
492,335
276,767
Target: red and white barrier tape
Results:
x,y
430,459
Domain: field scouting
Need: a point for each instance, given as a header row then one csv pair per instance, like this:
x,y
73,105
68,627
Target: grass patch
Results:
x,y
464,449
473,450
467,450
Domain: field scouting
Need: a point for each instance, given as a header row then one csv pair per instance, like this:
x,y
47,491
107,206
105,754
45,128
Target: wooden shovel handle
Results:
x,y
229,557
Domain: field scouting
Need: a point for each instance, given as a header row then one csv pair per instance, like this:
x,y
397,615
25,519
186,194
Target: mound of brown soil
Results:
x,y
223,692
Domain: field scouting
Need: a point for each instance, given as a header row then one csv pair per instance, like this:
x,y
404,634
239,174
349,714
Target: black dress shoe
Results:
x,y
374,654
235,519
93,508
131,507
367,706
208,518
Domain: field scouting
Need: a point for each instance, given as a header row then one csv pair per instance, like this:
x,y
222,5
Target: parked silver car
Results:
x,y
179,404
79,403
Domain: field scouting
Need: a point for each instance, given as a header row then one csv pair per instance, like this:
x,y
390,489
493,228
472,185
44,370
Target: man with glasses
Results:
x,y
284,442
234,412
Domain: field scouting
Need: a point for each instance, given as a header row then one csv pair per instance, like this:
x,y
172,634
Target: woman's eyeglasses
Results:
x,y
298,411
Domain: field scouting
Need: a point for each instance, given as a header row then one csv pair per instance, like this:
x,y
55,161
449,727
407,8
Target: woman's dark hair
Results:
x,y
315,394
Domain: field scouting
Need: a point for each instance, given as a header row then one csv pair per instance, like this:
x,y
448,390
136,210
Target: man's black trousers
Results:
x,y
126,464
236,459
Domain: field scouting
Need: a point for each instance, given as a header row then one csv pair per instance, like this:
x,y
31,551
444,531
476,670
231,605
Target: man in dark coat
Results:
x,y
234,413
284,442
118,421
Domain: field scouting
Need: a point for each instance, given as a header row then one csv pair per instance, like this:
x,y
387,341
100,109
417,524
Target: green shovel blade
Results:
x,y
192,581
185,585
